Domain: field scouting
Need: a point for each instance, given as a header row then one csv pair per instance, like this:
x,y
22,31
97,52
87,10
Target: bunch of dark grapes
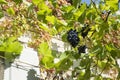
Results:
x,y
72,37
82,49
85,31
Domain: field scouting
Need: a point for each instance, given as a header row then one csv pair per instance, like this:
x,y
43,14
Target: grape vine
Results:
x,y
73,38
95,27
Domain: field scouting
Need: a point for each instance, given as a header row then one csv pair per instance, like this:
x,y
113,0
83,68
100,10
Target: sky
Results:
x,y
87,1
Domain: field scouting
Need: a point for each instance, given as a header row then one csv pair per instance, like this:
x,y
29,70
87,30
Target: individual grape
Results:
x,y
82,49
73,38
85,31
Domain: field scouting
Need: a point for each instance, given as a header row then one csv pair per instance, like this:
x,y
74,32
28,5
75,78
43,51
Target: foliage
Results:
x,y
11,47
96,23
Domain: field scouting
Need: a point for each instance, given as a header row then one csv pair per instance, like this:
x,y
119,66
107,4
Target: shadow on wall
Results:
x,y
32,75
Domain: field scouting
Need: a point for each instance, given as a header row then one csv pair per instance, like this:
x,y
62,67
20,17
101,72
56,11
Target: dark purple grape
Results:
x,y
82,49
85,31
72,37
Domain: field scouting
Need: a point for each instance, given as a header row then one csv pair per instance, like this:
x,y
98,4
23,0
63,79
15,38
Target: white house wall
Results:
x,y
26,67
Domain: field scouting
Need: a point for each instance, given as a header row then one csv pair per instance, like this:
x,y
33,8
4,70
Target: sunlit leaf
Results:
x,y
44,49
64,37
76,3
113,4
14,47
44,27
102,64
51,19
67,9
18,1
47,61
80,11
1,13
11,47
3,2
36,2
82,17
11,11
63,64
44,7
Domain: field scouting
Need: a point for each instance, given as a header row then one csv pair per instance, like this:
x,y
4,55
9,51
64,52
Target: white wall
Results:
x,y
26,67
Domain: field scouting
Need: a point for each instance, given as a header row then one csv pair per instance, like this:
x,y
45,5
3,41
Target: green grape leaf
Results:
x,y
63,64
81,75
113,4
80,11
76,3
36,2
1,13
14,47
11,11
2,48
44,27
43,11
109,47
51,19
18,1
41,17
65,61
63,56
47,61
102,64
44,7
114,54
64,37
67,9
44,49
11,47
91,14
82,17
3,2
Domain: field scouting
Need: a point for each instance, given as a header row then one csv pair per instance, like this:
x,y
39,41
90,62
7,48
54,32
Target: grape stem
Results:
x,y
108,13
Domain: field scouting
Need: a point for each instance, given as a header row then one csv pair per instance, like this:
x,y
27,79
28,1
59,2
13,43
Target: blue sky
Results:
x,y
87,1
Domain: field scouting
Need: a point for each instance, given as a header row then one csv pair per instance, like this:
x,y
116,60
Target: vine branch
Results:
x,y
95,7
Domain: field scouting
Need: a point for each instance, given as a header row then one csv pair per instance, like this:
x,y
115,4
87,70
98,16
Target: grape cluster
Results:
x,y
85,31
82,49
72,37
